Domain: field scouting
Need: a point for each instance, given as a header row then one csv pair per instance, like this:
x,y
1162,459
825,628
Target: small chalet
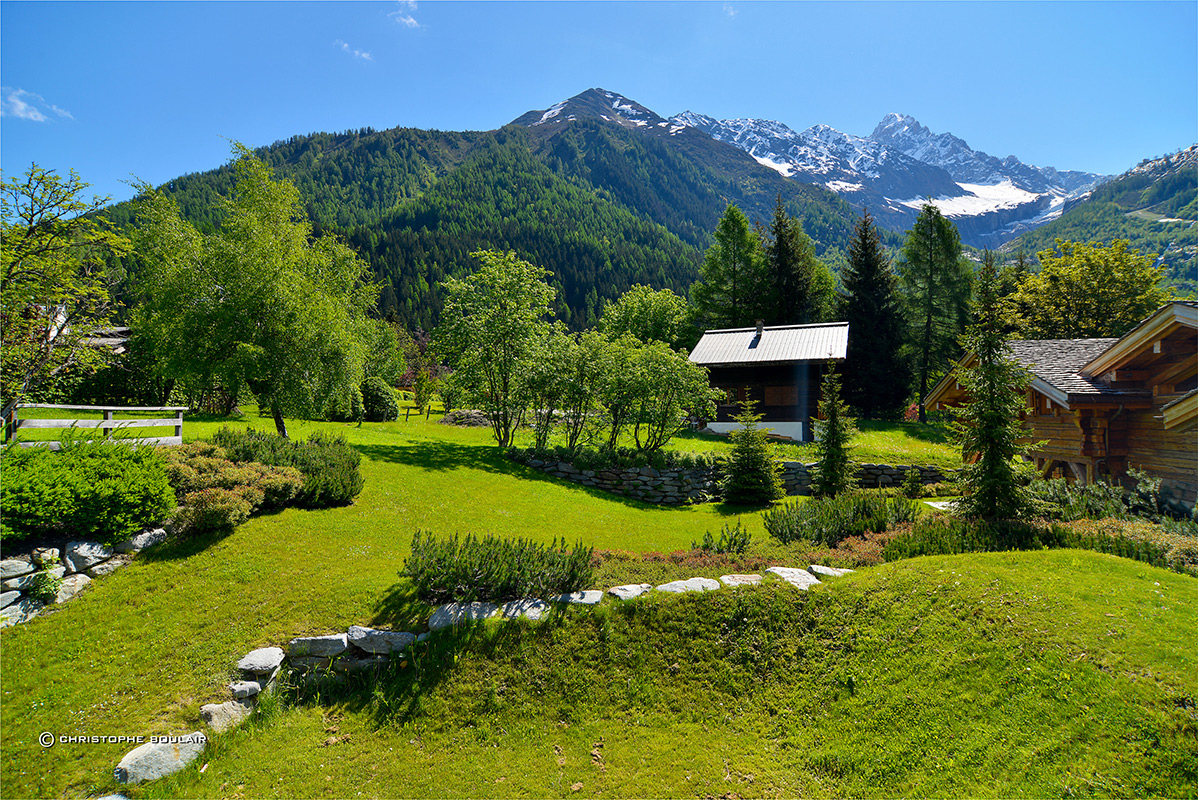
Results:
x,y
779,366
1103,405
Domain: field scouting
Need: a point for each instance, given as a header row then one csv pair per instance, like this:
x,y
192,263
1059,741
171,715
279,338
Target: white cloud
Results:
x,y
362,54
729,10
29,106
403,15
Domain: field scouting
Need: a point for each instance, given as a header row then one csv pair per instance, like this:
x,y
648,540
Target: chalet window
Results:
x,y
782,395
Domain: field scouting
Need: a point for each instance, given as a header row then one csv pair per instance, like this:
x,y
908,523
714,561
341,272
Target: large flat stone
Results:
x,y
23,583
8,598
220,717
690,585
46,556
530,607
21,611
262,660
79,556
796,577
71,586
373,640
243,689
629,590
151,761
13,567
332,645
740,580
142,540
106,567
459,613
829,572
587,597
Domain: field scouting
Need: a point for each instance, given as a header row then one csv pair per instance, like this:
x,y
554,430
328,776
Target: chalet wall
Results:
x,y
1171,455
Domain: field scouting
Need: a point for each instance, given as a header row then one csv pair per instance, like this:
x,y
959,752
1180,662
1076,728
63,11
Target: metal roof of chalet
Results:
x,y
778,344
1058,362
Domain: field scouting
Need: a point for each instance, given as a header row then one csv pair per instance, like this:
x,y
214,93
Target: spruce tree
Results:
x,y
935,282
989,424
751,475
800,284
833,473
729,292
879,375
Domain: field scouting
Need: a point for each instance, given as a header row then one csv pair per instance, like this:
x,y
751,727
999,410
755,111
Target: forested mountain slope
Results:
x,y
1154,206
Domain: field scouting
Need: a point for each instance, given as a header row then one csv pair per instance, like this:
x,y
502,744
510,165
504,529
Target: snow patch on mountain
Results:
x,y
980,199
785,169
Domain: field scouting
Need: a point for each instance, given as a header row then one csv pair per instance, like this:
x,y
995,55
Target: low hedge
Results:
x,y
100,490
600,458
831,520
493,568
329,465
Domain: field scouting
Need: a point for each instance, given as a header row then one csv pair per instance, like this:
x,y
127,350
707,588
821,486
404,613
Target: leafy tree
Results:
x,y
879,376
617,389
489,330
833,473
649,316
669,387
989,426
802,287
54,286
752,476
1089,291
386,356
582,370
258,304
935,282
732,284
548,380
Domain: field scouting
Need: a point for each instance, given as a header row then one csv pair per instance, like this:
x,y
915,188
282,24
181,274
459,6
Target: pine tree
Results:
x,y
800,283
729,291
989,425
879,375
935,282
751,475
833,473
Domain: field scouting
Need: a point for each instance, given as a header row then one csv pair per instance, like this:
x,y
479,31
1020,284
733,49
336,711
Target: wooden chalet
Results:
x,y
779,366
1101,406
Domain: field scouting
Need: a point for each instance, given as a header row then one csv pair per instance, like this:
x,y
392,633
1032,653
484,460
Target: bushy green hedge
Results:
x,y
216,493
378,400
494,568
102,490
831,520
1148,500
599,458
329,465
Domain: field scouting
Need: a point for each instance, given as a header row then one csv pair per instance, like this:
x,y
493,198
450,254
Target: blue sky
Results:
x,y
153,90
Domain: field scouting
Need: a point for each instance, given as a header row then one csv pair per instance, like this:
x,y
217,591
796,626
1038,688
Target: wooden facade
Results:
x,y
1100,407
783,392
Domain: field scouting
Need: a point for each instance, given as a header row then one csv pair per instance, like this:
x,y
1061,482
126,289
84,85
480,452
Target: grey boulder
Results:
x,y
799,578
243,689
262,660
532,608
142,540
373,640
154,760
333,645
20,611
45,556
71,586
629,590
8,598
459,613
79,556
106,567
23,583
829,572
690,585
740,580
14,567
588,597
220,717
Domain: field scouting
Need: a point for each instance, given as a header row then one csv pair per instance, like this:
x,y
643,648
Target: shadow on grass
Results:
x,y
448,456
185,546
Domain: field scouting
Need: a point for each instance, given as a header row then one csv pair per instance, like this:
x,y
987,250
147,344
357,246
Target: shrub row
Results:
x,y
329,465
1141,541
601,458
830,520
1061,500
216,493
494,569
101,490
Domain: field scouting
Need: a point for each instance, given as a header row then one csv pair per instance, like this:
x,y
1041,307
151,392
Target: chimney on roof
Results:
x,y
760,327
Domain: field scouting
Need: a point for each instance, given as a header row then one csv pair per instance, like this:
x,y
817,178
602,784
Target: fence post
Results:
x,y
179,426
428,410
107,430
407,413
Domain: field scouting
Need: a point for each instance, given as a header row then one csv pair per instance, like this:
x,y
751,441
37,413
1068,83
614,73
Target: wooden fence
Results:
x,y
14,423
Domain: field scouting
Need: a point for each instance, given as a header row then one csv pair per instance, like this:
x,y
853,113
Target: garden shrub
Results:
x,y
101,490
830,520
493,568
346,406
213,509
44,587
605,458
329,465
378,400
752,476
734,540
913,484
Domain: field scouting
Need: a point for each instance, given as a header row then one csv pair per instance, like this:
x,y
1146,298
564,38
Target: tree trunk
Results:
x,y
280,423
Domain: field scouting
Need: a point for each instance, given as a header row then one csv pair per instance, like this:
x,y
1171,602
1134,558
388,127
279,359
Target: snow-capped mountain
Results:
x,y
902,164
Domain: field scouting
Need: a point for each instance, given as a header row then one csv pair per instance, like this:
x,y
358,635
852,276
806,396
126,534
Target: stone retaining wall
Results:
x,y
677,486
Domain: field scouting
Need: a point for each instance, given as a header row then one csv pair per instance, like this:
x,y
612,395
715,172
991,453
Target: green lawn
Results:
x,y
940,711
